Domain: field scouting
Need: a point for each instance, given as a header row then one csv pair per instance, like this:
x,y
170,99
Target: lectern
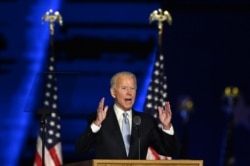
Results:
x,y
98,162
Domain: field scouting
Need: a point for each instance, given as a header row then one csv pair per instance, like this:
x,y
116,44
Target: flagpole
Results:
x,y
160,16
44,112
231,95
185,107
51,17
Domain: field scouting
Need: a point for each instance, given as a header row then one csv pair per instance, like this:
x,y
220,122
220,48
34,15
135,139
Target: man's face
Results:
x,y
124,92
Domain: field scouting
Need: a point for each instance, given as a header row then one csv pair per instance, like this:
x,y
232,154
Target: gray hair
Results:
x,y
114,77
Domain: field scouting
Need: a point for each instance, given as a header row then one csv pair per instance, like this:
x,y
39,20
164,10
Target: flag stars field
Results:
x,y
52,123
54,106
51,132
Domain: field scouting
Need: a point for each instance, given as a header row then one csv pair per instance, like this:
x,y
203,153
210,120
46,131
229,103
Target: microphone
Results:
x,y
137,121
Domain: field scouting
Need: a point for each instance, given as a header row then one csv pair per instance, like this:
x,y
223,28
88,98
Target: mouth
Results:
x,y
128,99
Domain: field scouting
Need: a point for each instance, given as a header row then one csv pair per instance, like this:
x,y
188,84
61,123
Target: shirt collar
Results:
x,y
119,112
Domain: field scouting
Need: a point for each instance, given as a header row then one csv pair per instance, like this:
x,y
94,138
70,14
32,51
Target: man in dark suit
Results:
x,y
104,135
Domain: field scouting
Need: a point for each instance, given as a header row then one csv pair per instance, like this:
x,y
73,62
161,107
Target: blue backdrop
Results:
x,y
206,49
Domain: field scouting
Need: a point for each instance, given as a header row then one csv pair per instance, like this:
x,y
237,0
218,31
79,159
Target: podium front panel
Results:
x,y
98,162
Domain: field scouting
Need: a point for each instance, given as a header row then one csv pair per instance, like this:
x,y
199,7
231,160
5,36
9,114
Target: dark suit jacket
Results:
x,y
108,143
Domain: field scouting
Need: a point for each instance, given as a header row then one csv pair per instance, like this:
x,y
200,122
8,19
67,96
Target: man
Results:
x,y
104,134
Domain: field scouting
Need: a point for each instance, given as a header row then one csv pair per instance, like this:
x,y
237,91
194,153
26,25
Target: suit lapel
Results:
x,y
134,137
115,129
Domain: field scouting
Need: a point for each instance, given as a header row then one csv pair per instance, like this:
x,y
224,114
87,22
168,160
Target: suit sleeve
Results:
x,y
165,144
86,140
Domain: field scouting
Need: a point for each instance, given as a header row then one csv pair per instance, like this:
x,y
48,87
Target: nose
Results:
x,y
129,91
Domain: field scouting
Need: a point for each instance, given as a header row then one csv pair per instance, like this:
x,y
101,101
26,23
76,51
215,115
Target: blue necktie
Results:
x,y
126,131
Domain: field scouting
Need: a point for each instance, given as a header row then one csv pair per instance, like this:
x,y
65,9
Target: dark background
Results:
x,y
206,49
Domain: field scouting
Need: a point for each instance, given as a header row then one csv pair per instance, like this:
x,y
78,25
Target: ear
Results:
x,y
112,92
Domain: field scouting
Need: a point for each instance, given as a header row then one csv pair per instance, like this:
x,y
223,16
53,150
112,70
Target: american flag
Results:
x,y
52,141
157,90
156,96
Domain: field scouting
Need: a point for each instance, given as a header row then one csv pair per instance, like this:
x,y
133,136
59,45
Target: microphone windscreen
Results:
x,y
137,120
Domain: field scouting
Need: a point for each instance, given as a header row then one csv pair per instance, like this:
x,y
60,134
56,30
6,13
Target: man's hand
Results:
x,y
165,116
101,113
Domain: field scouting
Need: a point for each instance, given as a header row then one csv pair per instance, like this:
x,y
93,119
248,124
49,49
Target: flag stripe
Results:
x,y
38,160
52,157
155,154
55,155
